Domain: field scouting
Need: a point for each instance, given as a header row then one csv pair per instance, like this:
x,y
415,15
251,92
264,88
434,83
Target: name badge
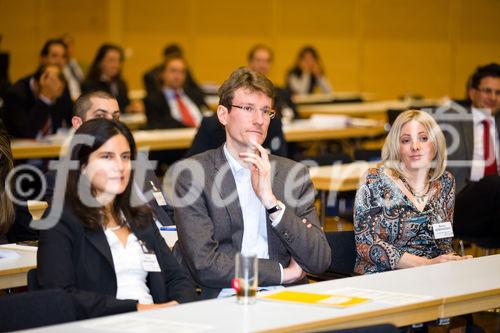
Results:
x,y
442,230
150,262
160,199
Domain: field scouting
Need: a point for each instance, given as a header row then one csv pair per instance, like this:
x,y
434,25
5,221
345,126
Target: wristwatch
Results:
x,y
274,209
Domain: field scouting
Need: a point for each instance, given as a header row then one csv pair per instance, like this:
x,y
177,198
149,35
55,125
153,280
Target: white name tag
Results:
x,y
150,262
160,200
442,230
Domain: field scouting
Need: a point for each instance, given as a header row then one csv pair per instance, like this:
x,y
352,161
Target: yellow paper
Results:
x,y
314,298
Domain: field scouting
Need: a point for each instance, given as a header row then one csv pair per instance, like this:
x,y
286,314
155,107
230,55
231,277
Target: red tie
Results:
x,y
187,119
490,168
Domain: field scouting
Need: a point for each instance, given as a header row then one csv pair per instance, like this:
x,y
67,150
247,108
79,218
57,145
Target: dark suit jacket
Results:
x,y
25,115
79,261
210,223
463,125
121,97
151,81
283,99
211,135
164,214
158,110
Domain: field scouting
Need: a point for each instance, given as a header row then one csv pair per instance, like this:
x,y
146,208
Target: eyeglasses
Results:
x,y
251,110
489,91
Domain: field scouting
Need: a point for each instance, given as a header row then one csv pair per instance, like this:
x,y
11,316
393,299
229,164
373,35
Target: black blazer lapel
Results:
x,y
223,181
98,239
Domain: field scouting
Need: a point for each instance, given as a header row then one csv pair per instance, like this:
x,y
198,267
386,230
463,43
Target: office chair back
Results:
x,y
35,309
343,248
33,280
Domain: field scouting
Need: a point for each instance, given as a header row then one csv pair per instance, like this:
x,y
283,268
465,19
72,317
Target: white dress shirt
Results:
x,y
477,169
254,217
130,275
300,84
193,109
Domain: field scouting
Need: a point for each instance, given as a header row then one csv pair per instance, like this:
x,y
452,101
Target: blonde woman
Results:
x,y
404,210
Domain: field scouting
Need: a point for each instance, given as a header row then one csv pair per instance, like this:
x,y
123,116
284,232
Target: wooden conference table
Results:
x,y
401,297
337,178
375,110
182,138
13,271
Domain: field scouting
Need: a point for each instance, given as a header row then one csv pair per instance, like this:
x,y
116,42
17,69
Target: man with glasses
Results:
x,y
475,140
238,198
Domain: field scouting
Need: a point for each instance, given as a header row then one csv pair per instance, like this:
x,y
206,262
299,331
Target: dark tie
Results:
x,y
187,119
490,167
47,127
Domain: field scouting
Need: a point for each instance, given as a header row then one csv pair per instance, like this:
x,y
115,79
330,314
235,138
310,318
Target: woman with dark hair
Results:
x,y
105,74
307,74
108,254
6,164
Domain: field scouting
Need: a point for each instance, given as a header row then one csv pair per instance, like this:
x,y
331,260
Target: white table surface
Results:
x,y
473,284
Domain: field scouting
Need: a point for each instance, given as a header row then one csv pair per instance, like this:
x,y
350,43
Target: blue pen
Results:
x,y
168,228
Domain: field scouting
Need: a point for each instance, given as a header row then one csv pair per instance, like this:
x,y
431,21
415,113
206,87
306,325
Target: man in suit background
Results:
x,y
237,198
152,77
260,59
174,106
473,157
101,104
39,104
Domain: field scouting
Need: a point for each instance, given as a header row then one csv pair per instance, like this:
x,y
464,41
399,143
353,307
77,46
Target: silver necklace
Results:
x,y
118,227
419,197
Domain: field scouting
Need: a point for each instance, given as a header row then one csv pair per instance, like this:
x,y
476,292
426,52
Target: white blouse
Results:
x,y
130,275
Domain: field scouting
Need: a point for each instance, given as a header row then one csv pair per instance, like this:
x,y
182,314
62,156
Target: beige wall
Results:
x,y
388,47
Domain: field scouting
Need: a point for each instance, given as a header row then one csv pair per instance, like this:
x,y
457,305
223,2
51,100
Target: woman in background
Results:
x,y
403,211
307,75
7,214
105,74
106,253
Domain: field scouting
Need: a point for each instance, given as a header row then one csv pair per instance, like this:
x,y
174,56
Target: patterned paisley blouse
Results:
x,y
387,224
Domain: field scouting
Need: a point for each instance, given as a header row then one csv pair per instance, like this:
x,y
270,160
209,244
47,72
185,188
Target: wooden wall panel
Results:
x,y
388,47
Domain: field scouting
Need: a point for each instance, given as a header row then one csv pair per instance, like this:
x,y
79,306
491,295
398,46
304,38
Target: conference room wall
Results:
x,y
389,47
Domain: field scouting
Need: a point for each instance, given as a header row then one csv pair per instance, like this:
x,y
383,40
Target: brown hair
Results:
x,y
258,47
7,214
102,130
247,79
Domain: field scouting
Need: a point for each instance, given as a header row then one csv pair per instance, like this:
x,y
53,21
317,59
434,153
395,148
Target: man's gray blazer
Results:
x,y
210,223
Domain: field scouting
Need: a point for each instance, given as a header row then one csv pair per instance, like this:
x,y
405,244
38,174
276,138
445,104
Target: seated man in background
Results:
x,y
211,133
477,146
260,59
101,104
246,200
174,106
39,104
152,77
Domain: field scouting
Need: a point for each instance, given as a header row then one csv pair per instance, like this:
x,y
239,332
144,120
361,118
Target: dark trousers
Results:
x,y
477,209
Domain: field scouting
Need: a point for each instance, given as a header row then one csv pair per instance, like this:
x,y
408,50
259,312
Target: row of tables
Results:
x,y
401,297
302,130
